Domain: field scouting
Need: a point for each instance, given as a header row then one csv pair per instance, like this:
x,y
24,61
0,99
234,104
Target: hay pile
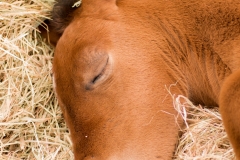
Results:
x,y
31,122
204,137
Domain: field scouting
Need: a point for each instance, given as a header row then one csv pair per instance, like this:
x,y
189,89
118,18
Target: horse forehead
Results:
x,y
106,10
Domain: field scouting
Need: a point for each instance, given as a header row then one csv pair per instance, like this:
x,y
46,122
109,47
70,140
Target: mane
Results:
x,y
62,14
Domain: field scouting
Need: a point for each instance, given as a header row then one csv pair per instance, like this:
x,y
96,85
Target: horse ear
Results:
x,y
62,15
48,32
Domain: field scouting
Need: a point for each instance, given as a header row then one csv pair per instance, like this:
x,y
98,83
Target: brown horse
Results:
x,y
116,60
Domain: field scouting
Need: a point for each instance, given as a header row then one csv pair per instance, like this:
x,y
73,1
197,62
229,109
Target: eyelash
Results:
x,y
99,75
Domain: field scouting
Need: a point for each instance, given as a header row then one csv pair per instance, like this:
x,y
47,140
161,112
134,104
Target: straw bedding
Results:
x,y
31,123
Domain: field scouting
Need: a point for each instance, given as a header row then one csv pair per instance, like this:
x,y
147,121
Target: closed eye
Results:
x,y
98,77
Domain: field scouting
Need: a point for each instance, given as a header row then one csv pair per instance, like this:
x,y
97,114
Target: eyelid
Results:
x,y
101,75
96,78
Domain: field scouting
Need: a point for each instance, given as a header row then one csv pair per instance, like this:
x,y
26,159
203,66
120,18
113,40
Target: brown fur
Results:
x,y
116,59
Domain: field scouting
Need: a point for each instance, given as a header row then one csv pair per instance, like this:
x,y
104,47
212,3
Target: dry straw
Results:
x,y
31,123
203,137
